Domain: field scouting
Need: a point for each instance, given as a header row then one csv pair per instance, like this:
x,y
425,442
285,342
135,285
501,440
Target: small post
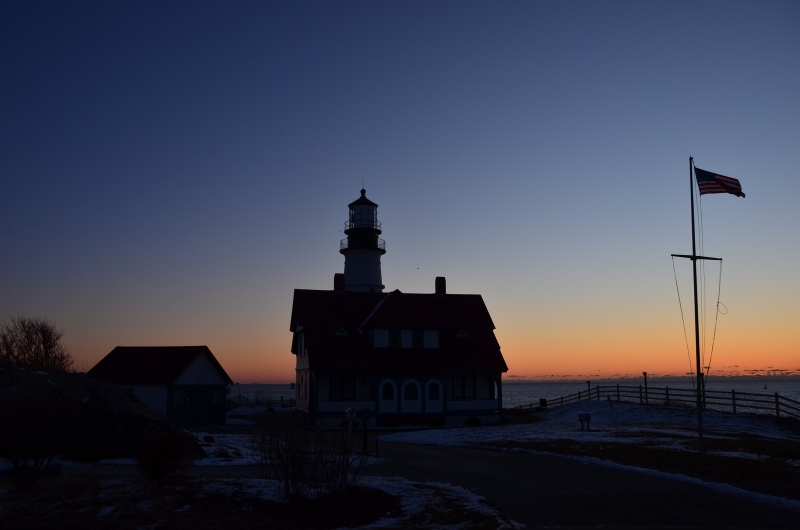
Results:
x,y
617,391
666,394
598,392
641,398
702,381
777,406
733,400
365,415
646,401
588,390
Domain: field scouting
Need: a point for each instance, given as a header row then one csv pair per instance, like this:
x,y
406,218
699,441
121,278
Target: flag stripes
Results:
x,y
709,182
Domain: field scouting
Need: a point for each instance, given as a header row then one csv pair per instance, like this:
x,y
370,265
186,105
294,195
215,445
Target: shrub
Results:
x,y
473,421
162,454
307,462
37,421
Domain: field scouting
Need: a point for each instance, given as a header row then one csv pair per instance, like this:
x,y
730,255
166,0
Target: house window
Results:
x,y
431,338
417,339
343,387
177,398
387,391
411,392
464,386
394,338
434,392
380,338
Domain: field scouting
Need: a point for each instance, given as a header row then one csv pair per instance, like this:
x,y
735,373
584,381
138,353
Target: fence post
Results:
x,y
640,394
666,393
598,393
617,391
733,400
562,400
777,406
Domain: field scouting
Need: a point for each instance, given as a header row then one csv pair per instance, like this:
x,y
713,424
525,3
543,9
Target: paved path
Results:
x,y
553,492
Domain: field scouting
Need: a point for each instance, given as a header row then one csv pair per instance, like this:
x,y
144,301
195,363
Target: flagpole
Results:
x,y
699,385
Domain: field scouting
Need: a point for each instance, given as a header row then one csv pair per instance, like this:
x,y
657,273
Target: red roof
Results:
x,y
321,314
150,365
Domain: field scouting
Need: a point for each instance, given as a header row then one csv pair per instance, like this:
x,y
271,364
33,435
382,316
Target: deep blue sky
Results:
x,y
171,171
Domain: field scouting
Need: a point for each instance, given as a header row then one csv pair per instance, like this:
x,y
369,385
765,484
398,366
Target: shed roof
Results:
x,y
151,365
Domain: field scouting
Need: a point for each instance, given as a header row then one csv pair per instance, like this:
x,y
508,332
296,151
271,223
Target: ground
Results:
x,y
746,454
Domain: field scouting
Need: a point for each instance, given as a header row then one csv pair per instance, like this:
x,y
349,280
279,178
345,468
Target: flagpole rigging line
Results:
x,y
716,319
683,322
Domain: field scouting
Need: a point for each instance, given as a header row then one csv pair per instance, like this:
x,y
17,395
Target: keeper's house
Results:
x,y
185,384
409,359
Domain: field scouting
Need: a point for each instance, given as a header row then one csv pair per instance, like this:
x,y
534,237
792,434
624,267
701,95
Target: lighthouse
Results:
x,y
362,248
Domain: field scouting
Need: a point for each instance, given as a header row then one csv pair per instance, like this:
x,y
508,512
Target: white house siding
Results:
x,y
153,396
201,372
302,354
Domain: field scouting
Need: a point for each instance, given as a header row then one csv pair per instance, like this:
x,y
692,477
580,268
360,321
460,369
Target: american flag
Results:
x,y
709,182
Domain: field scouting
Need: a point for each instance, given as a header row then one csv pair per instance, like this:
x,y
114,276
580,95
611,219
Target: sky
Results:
x,y
172,171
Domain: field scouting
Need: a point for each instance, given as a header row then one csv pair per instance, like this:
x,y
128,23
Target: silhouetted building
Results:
x,y
185,384
410,359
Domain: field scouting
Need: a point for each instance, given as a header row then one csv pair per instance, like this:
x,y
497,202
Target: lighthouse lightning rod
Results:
x,y
694,257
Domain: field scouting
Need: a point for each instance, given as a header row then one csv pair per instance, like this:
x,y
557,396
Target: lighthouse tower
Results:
x,y
362,248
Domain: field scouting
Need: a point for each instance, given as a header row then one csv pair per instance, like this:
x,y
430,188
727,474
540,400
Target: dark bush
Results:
x,y
37,421
163,454
473,421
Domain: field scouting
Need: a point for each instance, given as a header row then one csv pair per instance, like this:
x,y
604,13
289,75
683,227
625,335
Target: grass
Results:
x,y
765,465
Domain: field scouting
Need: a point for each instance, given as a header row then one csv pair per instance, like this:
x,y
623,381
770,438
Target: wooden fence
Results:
x,y
732,401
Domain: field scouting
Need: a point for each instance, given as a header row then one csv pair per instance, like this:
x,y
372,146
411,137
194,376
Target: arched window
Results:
x,y
434,392
411,392
387,391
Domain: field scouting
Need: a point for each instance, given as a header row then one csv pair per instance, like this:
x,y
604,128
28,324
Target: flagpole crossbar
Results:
x,y
693,257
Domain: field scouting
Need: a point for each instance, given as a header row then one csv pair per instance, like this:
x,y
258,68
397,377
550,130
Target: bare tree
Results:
x,y
33,343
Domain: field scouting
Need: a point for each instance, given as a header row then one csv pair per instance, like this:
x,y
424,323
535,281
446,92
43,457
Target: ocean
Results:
x,y
527,392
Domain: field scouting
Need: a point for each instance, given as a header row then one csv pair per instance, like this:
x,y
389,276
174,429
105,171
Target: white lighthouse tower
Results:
x,y
362,248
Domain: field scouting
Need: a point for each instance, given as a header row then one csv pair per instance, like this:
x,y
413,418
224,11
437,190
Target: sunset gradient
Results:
x,y
172,171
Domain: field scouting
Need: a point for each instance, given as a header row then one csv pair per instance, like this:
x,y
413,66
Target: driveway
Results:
x,y
548,491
